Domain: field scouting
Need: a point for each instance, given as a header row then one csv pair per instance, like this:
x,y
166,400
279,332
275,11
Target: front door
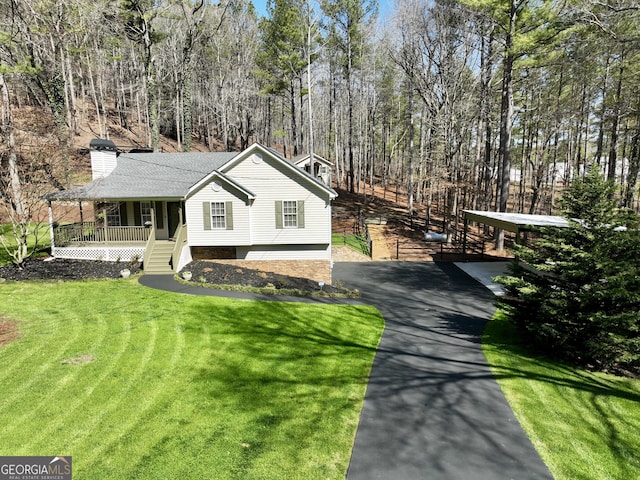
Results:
x,y
160,210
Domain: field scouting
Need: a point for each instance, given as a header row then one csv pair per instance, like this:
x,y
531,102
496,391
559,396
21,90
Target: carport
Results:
x,y
512,222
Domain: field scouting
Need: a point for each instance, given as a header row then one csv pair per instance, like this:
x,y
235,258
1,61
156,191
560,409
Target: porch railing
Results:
x,y
181,240
149,248
88,232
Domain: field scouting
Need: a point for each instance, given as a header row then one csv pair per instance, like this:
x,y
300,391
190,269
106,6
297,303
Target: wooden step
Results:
x,y
158,262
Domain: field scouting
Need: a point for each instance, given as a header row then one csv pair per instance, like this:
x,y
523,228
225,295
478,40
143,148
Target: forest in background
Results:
x,y
480,104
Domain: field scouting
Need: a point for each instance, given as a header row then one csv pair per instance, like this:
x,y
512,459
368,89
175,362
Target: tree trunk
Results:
x,y
603,115
350,134
15,184
634,170
294,126
506,122
615,120
153,107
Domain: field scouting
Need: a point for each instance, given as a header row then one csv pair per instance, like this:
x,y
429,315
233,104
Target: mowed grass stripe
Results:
x,y
208,388
62,424
95,387
173,432
59,411
37,363
237,445
585,425
120,388
80,347
137,401
65,399
38,348
52,344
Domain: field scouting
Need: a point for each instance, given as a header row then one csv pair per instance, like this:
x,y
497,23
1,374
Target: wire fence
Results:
x,y
439,251
359,243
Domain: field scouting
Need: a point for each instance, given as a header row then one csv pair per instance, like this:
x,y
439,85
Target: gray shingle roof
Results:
x,y
149,175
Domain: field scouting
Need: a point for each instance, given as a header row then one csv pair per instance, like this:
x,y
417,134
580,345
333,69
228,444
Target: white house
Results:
x,y
169,208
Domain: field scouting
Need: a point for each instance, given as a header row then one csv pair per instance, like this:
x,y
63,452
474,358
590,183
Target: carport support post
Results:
x,y
515,256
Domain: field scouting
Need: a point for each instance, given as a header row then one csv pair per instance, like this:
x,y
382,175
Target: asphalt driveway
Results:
x,y
432,409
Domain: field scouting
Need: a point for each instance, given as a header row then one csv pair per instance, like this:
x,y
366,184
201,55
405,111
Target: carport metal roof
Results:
x,y
514,222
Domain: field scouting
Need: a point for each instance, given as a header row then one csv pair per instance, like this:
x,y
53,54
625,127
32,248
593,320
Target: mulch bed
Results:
x,y
202,272
226,274
62,269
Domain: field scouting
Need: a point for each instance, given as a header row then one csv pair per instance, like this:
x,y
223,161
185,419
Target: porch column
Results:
x,y
106,226
51,236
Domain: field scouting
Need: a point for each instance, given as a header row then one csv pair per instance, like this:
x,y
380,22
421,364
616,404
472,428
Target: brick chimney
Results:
x,y
104,155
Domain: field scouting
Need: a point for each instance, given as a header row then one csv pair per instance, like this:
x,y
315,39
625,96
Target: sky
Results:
x,y
261,7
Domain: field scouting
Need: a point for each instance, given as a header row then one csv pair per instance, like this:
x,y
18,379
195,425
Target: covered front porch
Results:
x,y
129,231
90,241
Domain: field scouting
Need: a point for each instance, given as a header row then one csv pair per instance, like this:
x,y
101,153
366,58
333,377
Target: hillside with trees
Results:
x,y
481,104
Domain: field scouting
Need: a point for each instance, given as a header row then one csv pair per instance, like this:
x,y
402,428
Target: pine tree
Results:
x,y
576,290
347,22
526,29
283,59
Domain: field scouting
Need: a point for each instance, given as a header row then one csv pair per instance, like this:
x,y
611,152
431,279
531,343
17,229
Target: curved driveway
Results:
x,y
432,408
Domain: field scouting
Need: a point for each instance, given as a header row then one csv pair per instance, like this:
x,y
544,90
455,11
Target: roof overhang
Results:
x,y
217,175
80,195
306,158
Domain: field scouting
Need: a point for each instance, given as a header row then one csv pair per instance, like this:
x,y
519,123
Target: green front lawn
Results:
x,y
138,383
584,425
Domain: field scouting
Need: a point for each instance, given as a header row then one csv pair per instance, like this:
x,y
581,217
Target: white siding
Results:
x,y
185,258
270,182
102,163
254,233
285,252
198,236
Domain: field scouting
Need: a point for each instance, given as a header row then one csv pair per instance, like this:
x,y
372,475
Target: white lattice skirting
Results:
x,y
107,254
